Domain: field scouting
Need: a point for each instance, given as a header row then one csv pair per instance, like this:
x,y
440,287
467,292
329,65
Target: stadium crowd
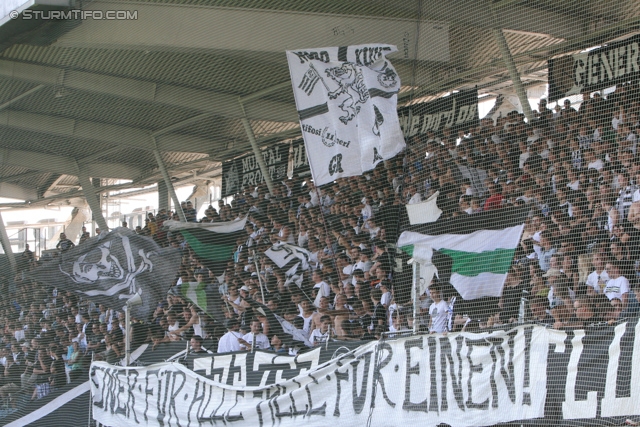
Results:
x,y
577,172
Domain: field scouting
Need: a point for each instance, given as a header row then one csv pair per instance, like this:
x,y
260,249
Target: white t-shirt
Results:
x,y
366,212
363,265
324,290
597,281
386,299
262,341
229,342
616,287
347,270
303,239
307,323
439,313
318,337
173,327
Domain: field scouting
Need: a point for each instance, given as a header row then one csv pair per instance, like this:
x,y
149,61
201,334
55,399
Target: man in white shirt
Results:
x,y
323,287
344,269
366,211
364,263
385,287
322,334
597,280
255,337
231,340
438,311
618,285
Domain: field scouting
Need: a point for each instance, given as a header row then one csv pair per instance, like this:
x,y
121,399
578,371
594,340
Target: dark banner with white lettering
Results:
x,y
244,172
458,111
528,374
597,69
299,159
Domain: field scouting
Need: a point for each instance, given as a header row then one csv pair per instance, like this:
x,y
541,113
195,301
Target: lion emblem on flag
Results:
x,y
351,88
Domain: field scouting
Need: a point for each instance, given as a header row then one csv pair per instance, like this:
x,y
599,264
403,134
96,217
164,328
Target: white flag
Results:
x,y
422,255
427,211
289,256
346,99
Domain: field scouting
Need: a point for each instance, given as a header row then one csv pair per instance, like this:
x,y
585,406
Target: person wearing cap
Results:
x,y
231,340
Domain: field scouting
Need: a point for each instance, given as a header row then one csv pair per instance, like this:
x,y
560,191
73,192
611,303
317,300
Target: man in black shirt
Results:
x,y
196,345
64,244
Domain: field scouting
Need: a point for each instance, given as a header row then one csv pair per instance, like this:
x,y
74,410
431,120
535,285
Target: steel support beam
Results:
x,y
65,165
256,150
206,101
513,73
169,184
92,200
98,132
19,97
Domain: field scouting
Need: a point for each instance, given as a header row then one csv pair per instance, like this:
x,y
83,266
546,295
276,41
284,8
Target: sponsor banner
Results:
x,y
597,69
245,171
462,379
346,98
456,111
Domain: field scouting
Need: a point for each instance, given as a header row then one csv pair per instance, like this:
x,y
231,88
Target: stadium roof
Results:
x,y
99,95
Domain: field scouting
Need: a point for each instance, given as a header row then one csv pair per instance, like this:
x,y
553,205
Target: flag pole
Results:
x,y
326,345
255,261
127,338
416,278
131,302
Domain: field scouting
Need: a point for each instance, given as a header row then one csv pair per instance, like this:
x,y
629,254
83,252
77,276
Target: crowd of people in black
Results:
x,y
576,171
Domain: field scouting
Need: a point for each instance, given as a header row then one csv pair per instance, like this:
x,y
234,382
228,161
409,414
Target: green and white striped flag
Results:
x,y
213,242
205,296
473,252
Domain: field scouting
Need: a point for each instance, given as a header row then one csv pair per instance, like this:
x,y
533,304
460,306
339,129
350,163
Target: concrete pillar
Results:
x,y
6,245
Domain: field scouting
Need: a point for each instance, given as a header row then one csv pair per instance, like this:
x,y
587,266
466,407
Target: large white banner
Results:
x,y
461,379
346,98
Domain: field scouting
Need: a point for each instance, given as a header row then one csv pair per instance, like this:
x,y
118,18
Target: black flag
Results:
x,y
112,267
